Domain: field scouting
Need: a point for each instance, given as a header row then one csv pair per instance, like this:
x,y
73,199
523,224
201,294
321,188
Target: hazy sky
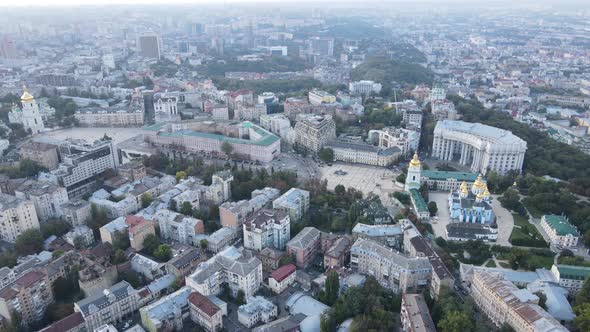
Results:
x,y
132,2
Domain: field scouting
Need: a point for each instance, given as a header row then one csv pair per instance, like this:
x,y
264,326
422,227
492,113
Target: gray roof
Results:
x,y
375,249
304,238
230,259
377,230
108,296
487,133
9,202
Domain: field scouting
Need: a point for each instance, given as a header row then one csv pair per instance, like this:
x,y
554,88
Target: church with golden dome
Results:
x,y
472,205
29,115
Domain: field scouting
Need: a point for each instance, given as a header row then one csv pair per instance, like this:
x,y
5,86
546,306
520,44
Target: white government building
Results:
x,y
483,147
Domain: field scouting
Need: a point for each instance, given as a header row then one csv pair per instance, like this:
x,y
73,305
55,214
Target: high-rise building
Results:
x,y
314,131
28,296
16,216
149,46
82,163
46,196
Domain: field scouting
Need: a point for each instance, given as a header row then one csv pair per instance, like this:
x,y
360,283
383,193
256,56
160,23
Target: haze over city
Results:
x,y
294,166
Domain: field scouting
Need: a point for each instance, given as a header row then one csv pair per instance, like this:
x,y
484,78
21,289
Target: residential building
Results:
x,y
114,206
278,124
149,46
42,153
356,152
337,254
295,202
185,262
282,278
570,277
242,96
481,147
392,269
386,234
257,309
133,170
314,131
114,116
364,87
270,258
80,236
320,46
28,296
304,246
204,312
221,238
466,232
17,215
561,232
76,211
318,97
167,312
238,270
267,228
233,214
112,305
138,229
248,141
72,323
502,302
147,267
443,110
178,227
295,106
267,98
249,113
82,163
414,315
291,323
46,196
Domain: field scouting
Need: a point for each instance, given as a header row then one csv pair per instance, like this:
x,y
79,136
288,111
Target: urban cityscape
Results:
x,y
310,166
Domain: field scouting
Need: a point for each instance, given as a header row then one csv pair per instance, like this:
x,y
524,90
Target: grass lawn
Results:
x,y
505,265
491,263
526,234
540,261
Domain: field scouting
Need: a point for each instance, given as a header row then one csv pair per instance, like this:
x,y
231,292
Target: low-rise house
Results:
x,y
258,309
282,278
205,313
270,258
571,277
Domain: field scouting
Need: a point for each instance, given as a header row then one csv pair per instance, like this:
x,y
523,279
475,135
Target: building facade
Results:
x,y
205,313
28,296
561,232
267,228
479,146
414,314
314,131
304,246
17,215
29,116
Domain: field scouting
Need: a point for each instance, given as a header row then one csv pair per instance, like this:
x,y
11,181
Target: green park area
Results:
x,y
525,234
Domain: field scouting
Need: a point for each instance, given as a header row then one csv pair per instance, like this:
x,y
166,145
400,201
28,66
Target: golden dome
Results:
x,y
26,95
478,184
463,185
480,196
486,191
415,161
464,191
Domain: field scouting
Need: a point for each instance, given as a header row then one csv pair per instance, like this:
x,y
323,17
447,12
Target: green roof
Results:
x,y
573,272
443,175
418,200
560,225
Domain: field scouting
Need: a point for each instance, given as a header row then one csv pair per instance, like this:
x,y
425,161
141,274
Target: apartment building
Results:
x,y
168,312
295,106
17,215
239,270
185,262
570,277
295,202
42,153
282,278
221,238
178,227
358,152
318,97
249,113
414,315
29,296
313,132
46,196
405,140
76,211
390,268
386,234
502,302
337,254
304,246
233,214
257,309
561,232
114,116
267,228
205,313
111,305
364,87
138,229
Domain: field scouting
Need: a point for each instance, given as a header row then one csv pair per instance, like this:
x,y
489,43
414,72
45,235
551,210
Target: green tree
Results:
x,y
204,243
455,321
326,155
332,289
119,257
55,227
240,297
432,208
227,149
79,242
146,200
29,242
186,209
151,243
582,320
163,253
121,240
180,175
287,259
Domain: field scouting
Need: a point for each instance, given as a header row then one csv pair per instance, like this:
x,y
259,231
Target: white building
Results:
x,y
350,151
81,233
318,97
267,228
47,197
249,113
29,116
267,98
178,227
257,309
295,202
238,270
364,87
314,131
76,211
166,107
277,124
282,278
16,216
571,277
479,146
404,139
561,232
82,163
